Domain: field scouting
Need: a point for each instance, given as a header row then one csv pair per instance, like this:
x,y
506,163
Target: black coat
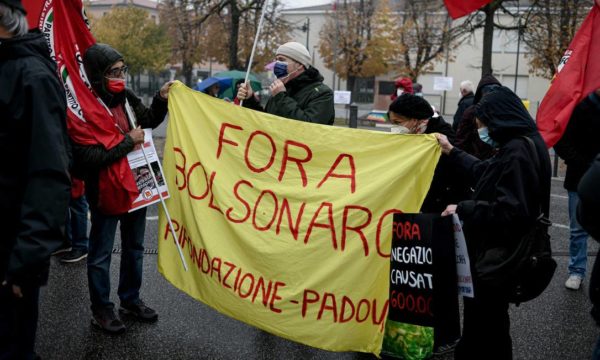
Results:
x,y
306,99
90,159
579,144
510,190
588,215
463,104
447,186
34,176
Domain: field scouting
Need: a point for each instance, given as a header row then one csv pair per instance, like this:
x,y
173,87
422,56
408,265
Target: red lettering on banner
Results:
x,y
294,228
368,305
407,230
324,306
306,300
379,229
273,216
330,225
250,287
297,160
260,286
346,302
168,228
247,152
231,268
244,202
211,203
275,297
358,228
216,266
180,169
351,176
222,137
189,188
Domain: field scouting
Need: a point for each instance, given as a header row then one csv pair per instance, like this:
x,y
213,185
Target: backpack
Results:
x,y
525,271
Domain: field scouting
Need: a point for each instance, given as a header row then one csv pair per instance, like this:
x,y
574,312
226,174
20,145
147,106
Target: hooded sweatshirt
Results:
x,y
511,188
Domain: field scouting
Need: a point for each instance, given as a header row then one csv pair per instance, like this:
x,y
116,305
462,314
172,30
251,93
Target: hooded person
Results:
x,y
467,137
106,71
509,195
34,176
298,92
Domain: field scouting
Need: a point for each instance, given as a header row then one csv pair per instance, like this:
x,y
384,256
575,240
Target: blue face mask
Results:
x,y
485,137
281,69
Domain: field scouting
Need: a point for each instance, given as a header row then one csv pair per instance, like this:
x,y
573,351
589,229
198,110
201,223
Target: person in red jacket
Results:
x,y
403,85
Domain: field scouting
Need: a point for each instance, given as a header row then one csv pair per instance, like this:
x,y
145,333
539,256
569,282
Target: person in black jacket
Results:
x,y
466,100
588,214
106,71
578,146
510,193
298,92
34,176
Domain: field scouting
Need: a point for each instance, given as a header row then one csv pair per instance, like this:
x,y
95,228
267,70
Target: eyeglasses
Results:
x,y
116,72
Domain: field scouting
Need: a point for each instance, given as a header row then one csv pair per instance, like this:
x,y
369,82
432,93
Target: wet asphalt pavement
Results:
x,y
557,325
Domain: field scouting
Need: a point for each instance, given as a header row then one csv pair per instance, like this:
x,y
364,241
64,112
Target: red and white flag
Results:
x,y
460,8
578,75
89,122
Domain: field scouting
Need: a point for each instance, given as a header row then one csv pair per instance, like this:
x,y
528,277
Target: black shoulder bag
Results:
x,y
525,271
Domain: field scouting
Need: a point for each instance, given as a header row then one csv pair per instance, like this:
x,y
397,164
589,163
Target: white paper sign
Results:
x,y
342,97
463,266
441,83
143,177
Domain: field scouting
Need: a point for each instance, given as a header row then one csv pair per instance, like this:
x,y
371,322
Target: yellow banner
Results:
x,y
286,225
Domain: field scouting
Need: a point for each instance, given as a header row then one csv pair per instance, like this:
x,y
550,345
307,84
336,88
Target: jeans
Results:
x,y
102,238
77,224
577,241
18,322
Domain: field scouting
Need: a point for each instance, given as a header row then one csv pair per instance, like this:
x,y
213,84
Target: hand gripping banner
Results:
x,y
287,225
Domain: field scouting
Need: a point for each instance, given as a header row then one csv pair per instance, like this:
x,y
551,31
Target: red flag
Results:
x,y
89,121
34,9
460,8
578,75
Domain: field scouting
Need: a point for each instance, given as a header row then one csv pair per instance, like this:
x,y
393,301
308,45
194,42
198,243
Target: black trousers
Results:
x,y
486,329
18,323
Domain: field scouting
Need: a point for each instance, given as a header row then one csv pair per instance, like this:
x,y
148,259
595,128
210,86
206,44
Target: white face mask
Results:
x,y
399,129
399,92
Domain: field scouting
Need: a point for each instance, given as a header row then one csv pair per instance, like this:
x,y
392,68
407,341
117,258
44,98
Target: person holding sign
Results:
x,y
298,92
510,193
106,70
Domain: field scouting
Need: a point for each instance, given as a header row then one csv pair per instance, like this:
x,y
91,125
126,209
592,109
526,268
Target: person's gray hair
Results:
x,y
13,21
467,85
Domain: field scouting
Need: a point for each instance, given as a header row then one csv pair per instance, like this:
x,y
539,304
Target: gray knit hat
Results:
x,y
295,51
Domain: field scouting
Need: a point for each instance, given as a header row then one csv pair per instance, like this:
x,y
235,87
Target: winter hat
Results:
x,y
412,107
295,51
14,4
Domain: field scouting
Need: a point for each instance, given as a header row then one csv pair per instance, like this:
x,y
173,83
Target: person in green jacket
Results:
x,y
298,92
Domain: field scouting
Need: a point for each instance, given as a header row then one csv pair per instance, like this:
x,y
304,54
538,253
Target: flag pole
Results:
x,y
260,24
132,122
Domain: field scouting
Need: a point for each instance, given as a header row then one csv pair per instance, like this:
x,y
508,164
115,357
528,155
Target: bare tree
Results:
x,y
551,24
426,35
356,40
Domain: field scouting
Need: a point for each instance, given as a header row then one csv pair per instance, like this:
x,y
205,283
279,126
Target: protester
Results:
x,y
466,100
510,192
213,90
77,224
402,85
588,213
467,135
106,70
34,176
412,114
418,89
578,147
298,92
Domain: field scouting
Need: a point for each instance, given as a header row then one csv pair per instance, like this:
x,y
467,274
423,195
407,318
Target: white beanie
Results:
x,y
295,51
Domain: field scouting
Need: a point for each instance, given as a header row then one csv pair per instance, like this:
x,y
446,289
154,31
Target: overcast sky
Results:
x,y
303,3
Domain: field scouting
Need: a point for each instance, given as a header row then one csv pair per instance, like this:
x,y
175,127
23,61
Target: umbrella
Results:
x,y
224,83
234,76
